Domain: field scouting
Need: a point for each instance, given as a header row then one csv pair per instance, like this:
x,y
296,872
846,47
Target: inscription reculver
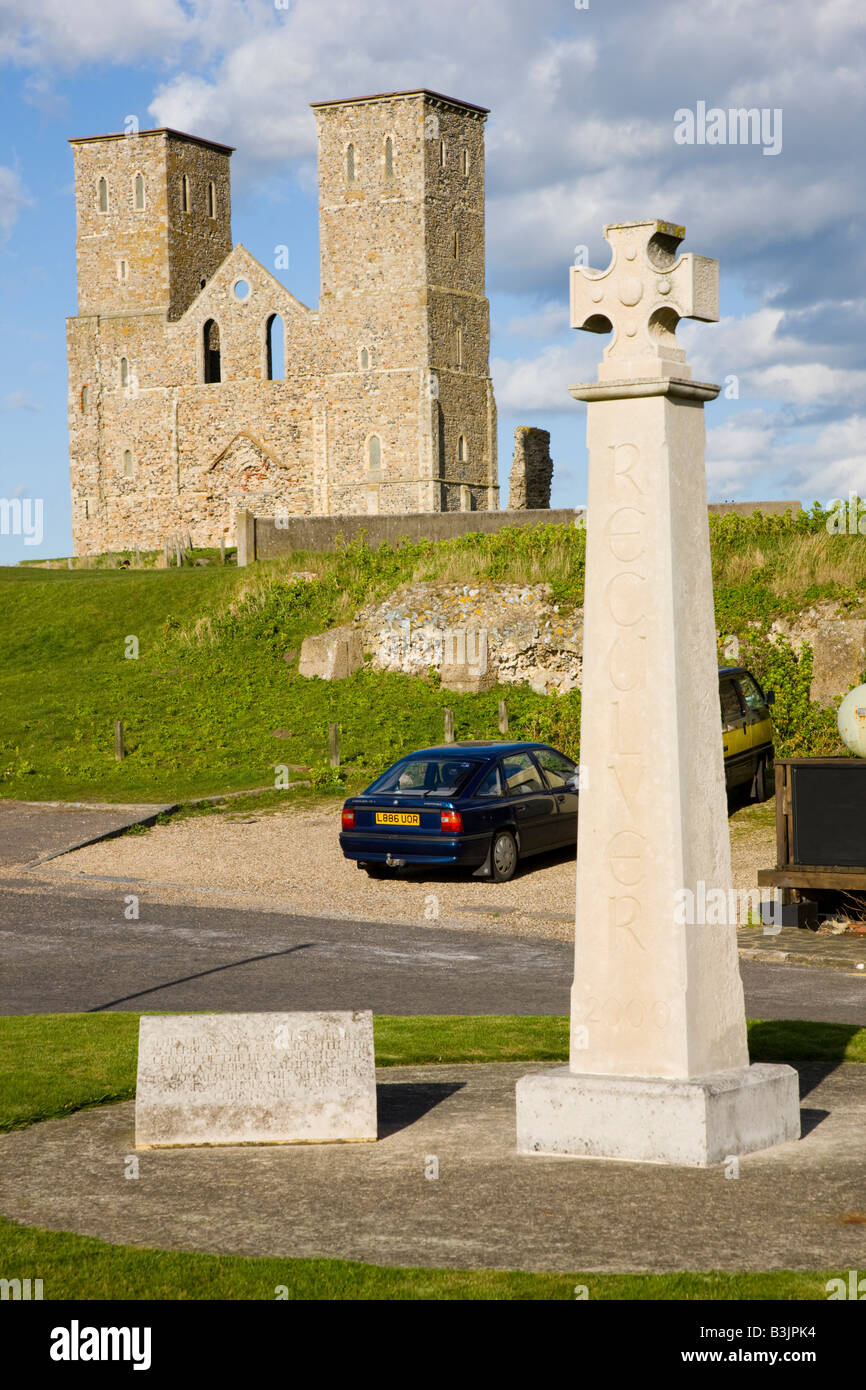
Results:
x,y
659,1065
278,1078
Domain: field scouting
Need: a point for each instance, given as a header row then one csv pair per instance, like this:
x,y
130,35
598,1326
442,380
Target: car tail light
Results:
x,y
348,818
452,820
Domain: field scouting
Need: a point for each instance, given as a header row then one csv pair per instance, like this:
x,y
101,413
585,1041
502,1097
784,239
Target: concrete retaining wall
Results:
x,y
260,538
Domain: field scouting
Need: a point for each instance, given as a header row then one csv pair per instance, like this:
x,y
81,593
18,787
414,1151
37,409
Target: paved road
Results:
x,y
61,952
31,830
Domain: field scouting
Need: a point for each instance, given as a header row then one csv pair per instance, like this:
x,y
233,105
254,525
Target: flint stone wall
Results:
x,y
531,469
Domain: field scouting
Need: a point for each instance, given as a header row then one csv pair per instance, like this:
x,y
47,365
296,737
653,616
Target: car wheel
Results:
x,y
503,856
763,780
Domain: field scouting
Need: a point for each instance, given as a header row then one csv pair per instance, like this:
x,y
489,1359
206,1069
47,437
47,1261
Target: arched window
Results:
x,y
350,164
459,346
211,350
441,154
457,246
365,359
374,453
138,194
276,337
124,371
128,464
184,194
102,195
466,163
389,157
211,199
84,395
461,449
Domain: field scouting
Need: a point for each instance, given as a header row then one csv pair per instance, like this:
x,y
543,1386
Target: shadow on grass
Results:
x,y
813,1049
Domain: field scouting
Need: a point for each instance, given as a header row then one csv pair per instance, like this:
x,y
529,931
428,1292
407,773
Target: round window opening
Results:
x,y
242,290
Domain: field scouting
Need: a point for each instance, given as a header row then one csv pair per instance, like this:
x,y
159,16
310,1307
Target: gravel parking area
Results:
x,y
290,861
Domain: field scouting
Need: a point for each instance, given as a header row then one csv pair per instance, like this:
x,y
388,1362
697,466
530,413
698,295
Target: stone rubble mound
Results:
x,y
522,631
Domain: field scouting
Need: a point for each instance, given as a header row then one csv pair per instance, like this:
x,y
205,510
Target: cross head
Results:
x,y
641,296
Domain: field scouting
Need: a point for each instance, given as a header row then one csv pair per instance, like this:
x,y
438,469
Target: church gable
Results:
x,y
261,331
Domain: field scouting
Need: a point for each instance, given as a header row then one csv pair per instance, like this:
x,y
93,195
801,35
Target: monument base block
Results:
x,y
695,1122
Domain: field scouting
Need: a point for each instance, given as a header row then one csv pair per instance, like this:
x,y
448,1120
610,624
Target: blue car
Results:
x,y
481,805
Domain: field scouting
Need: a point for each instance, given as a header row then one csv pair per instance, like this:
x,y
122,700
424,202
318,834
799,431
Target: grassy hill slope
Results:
x,y
211,683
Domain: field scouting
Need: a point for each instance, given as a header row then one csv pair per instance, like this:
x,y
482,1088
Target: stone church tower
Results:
x,y
199,385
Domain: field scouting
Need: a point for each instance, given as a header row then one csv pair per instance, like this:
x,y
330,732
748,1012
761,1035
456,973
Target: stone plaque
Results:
x,y
270,1078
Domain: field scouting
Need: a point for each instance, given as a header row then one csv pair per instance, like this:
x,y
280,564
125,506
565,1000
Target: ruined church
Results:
x,y
199,386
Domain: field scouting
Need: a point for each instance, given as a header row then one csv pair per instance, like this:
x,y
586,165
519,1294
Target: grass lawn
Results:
x,y
52,1064
78,1267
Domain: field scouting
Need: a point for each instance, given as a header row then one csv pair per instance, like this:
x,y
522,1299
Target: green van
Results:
x,y
747,732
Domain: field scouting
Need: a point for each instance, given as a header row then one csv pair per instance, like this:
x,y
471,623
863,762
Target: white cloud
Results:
x,y
756,454
20,400
549,319
13,198
59,34
542,382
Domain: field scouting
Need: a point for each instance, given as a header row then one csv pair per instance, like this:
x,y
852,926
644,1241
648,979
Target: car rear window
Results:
x,y
437,775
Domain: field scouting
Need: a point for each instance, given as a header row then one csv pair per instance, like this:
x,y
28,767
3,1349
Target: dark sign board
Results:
x,y
828,808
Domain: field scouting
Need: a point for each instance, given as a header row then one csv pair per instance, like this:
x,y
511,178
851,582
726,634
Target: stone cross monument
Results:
x,y
659,1066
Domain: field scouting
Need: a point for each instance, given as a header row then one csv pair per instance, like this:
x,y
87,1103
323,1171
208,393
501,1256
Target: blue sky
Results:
x,y
581,133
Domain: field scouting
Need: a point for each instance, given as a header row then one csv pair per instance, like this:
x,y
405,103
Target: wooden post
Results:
x,y
449,725
222,550
503,717
165,553
178,550
137,557
119,744
334,744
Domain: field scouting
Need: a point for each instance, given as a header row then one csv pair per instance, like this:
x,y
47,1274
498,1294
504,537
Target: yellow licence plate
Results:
x,y
397,818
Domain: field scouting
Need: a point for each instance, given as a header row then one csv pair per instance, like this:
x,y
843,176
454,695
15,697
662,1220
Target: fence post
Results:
x,y
334,744
222,549
119,744
503,717
449,725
